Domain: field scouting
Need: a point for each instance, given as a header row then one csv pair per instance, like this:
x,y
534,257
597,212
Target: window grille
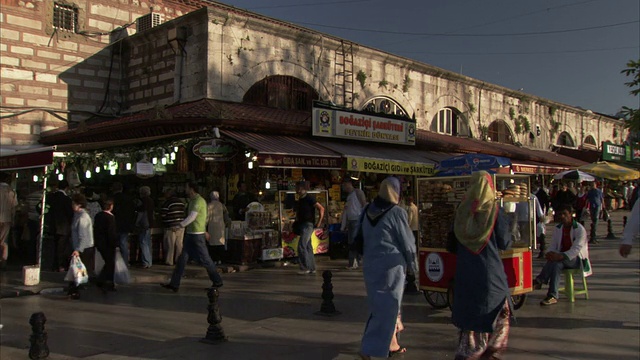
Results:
x,y
65,17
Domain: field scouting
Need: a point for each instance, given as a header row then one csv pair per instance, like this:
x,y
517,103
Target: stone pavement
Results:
x,y
269,313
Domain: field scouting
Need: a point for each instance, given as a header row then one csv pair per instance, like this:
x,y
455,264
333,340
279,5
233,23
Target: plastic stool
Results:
x,y
568,289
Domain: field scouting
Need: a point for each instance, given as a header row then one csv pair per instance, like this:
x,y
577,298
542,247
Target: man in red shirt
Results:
x,y
568,249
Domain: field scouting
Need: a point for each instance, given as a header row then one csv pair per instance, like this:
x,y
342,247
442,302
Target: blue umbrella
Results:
x,y
468,163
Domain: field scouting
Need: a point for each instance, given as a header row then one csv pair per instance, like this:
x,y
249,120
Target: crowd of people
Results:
x,y
382,237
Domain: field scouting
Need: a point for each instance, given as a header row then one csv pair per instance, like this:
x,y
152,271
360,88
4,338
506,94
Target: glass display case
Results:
x,y
288,201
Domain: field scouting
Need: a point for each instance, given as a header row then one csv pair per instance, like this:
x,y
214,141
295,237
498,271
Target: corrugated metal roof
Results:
x,y
280,144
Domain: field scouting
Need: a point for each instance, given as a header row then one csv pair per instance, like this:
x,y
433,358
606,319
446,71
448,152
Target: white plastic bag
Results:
x,y
77,272
121,272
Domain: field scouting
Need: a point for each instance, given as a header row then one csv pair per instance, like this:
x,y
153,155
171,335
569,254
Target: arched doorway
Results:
x,y
384,105
500,132
282,92
565,139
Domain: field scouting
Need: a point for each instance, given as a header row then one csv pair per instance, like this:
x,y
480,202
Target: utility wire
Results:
x,y
308,4
518,52
476,35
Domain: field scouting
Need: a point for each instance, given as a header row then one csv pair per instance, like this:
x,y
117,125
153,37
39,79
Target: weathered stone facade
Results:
x,y
219,53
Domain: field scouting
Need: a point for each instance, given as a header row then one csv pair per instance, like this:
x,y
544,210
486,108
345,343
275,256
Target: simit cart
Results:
x,y
437,200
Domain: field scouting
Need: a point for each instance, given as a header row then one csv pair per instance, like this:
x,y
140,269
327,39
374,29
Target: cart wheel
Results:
x,y
438,300
450,295
518,300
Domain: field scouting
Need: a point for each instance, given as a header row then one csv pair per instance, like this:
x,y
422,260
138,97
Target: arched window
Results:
x,y
499,132
565,139
282,92
384,105
444,121
590,141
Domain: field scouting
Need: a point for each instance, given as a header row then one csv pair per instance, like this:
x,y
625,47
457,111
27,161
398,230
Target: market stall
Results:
x,y
438,198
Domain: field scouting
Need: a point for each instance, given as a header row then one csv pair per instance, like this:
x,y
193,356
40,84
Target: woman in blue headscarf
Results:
x,y
388,250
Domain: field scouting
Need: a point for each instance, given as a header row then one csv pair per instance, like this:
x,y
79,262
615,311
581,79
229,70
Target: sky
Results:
x,y
569,51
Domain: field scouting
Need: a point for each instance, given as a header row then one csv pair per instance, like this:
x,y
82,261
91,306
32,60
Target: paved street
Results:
x,y
268,313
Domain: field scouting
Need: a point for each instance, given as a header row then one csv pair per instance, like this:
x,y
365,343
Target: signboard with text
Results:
x,y
613,152
633,152
389,166
298,161
342,124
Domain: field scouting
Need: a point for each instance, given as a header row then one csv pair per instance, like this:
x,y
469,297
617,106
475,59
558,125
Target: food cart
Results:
x,y
438,198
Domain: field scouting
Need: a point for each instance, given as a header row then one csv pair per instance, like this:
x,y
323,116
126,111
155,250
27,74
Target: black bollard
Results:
x,y
624,222
410,287
215,333
327,308
38,339
610,234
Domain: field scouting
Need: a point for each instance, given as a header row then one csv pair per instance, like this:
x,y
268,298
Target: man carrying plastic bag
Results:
x,y
81,240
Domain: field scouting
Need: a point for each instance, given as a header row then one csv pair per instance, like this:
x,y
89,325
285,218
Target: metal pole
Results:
x,y
42,210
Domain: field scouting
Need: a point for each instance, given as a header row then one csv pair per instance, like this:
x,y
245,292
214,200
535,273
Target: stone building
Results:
x,y
82,71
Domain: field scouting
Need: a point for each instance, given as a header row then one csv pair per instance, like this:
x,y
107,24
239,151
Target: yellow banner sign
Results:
x,y
389,167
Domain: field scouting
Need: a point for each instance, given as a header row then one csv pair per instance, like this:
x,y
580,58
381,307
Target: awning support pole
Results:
x,y
42,210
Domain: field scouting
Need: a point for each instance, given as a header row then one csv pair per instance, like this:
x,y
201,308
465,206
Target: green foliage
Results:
x,y
472,108
512,113
631,115
383,83
484,131
552,110
526,125
361,77
406,83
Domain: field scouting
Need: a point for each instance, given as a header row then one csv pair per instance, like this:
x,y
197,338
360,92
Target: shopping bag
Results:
x,y
77,272
121,272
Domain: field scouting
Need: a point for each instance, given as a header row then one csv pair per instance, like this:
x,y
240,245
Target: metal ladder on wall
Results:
x,y
344,75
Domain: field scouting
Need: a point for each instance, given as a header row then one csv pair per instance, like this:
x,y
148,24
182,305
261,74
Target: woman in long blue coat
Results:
x,y
482,303
389,249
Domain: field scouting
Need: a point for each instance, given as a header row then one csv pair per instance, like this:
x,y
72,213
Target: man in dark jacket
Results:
x,y
105,237
60,215
125,212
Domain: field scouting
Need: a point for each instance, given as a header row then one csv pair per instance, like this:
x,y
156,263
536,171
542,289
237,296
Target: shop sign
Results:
x,y
536,169
613,152
298,161
633,152
333,123
25,161
215,150
389,166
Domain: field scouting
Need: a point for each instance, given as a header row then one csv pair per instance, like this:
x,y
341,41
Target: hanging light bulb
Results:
x,y
173,156
154,160
250,164
60,177
247,154
17,175
128,166
175,149
87,174
97,169
35,178
164,160
112,171
57,171
267,185
106,166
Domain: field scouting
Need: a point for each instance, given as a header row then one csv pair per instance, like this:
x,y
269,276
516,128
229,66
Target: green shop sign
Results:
x,y
633,152
613,152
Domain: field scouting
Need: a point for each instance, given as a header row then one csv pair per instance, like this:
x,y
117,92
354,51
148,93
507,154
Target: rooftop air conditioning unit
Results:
x,y
148,21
